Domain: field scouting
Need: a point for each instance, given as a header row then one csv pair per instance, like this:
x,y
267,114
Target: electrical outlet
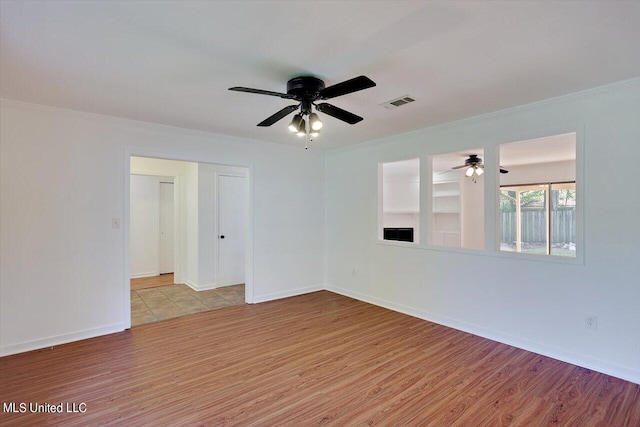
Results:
x,y
591,321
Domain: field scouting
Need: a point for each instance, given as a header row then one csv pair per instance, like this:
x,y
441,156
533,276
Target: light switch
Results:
x,y
115,222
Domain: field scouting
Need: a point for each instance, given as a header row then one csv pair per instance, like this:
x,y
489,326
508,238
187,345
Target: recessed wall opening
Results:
x,y
187,237
538,199
399,201
457,199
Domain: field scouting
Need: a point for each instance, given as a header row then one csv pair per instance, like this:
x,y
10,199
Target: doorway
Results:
x,y
195,203
166,247
152,226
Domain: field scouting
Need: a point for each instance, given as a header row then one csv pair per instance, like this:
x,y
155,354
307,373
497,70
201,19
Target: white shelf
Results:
x,y
446,194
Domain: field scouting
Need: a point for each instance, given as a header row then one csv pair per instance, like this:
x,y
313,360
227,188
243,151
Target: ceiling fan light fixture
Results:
x,y
315,122
294,126
479,171
469,171
314,134
302,128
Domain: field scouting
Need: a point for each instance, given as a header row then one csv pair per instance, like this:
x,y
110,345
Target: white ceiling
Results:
x,y
172,62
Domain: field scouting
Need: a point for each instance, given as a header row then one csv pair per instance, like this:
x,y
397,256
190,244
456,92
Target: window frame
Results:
x,y
491,197
579,130
417,232
547,187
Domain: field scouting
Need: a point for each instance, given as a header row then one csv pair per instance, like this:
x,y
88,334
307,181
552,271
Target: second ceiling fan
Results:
x,y
474,166
307,90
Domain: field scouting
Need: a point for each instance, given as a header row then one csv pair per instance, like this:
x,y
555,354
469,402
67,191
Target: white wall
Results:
x,y
191,193
207,213
62,273
536,305
400,193
159,167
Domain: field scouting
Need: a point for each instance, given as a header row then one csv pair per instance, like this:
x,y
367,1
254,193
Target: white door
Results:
x,y
166,227
231,230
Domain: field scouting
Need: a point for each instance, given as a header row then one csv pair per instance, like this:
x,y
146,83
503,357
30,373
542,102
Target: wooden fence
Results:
x,y
563,226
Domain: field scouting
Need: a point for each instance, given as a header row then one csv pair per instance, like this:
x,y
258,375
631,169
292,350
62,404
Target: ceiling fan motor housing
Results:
x,y
473,160
305,87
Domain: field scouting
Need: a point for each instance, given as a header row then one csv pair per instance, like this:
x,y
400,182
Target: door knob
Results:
x,y
222,236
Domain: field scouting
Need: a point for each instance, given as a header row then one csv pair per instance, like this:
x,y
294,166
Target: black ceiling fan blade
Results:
x,y
261,92
338,113
460,167
353,85
277,116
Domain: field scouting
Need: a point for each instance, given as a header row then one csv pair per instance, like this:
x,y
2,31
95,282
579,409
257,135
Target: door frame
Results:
x,y
177,270
174,155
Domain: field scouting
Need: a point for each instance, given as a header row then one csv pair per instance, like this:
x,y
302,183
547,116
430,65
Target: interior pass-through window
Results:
x,y
538,196
399,201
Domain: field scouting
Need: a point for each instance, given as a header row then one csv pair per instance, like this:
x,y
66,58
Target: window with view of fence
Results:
x,y
538,219
538,198
533,223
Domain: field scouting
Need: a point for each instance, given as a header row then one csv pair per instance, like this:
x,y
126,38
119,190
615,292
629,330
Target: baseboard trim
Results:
x,y
598,365
147,274
196,287
60,339
287,294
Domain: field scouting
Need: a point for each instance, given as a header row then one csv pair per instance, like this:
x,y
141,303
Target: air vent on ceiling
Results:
x,y
395,103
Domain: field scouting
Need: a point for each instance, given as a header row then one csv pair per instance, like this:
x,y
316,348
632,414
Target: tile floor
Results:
x,y
165,302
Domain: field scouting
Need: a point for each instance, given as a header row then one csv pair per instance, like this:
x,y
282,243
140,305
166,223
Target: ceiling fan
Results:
x,y
474,166
307,90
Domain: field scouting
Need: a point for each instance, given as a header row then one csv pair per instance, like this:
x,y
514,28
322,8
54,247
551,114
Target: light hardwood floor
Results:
x,y
310,360
152,282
